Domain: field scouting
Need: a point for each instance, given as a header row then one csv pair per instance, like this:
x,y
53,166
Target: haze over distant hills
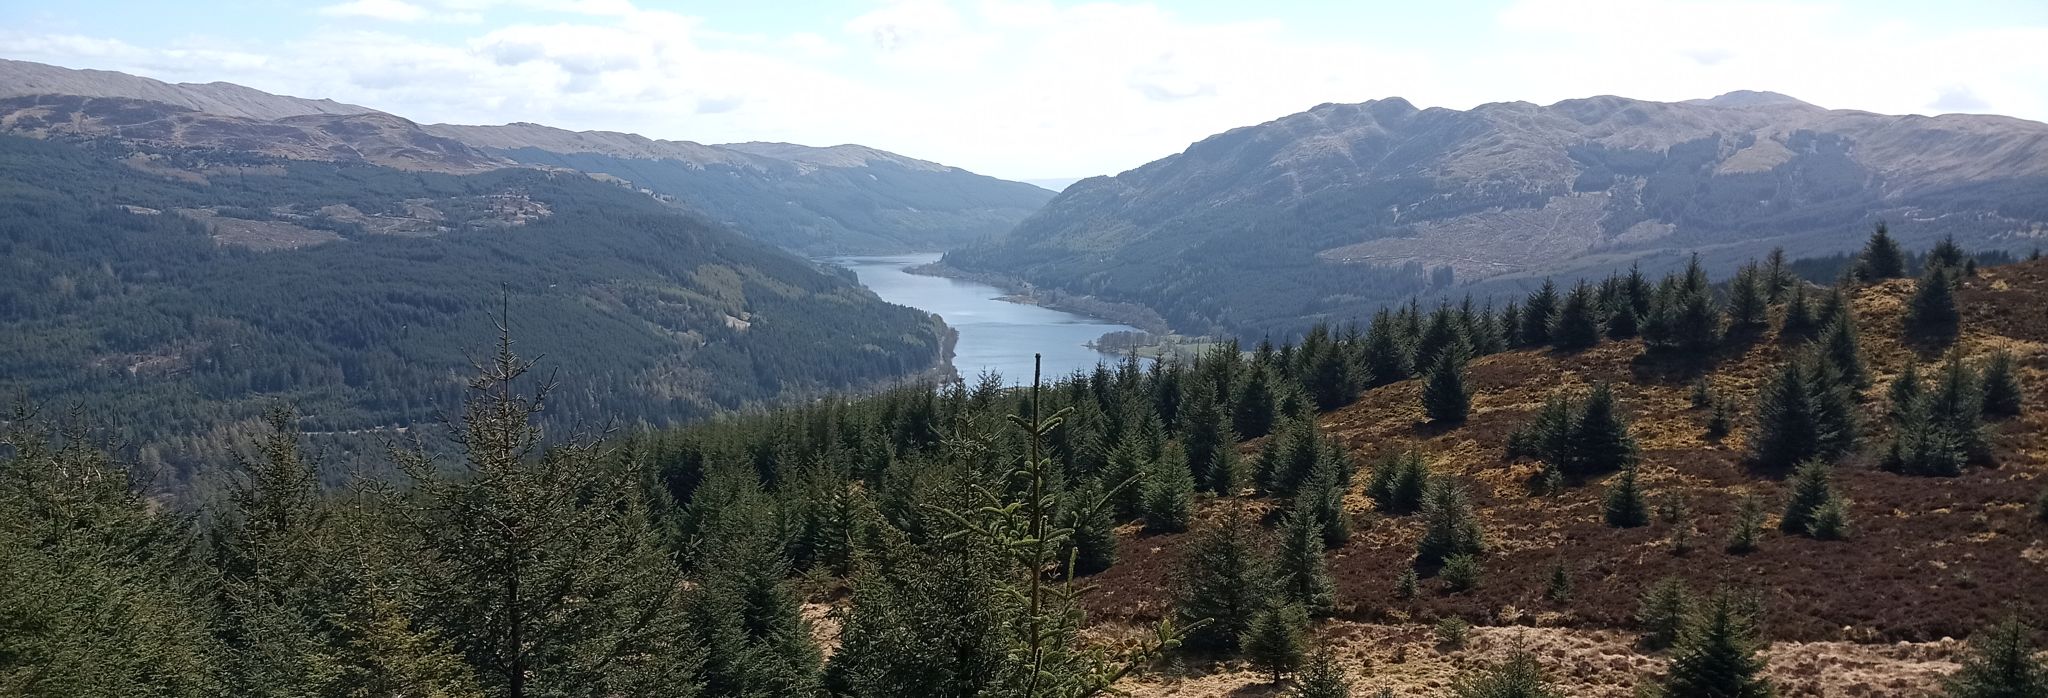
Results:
x,y
1327,213
838,199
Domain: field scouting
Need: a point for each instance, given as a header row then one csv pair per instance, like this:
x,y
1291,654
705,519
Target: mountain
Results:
x,y
814,201
21,78
1329,213
837,200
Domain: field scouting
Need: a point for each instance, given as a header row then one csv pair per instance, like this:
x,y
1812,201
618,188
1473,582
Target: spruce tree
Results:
x,y
1169,492
1223,582
750,621
1747,529
1290,456
1624,505
1881,257
1517,677
1331,378
1384,361
1304,576
1537,314
1442,335
1844,352
1600,441
1799,323
1811,493
1557,588
1931,314
1748,301
1449,526
1510,325
1322,676
2001,387
1094,540
1946,253
1663,612
1125,475
1719,655
1578,324
1253,414
1209,440
1277,640
1323,494
1445,397
2001,664
1398,483
1788,420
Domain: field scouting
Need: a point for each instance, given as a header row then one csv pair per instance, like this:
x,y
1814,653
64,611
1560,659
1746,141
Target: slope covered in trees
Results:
x,y
129,296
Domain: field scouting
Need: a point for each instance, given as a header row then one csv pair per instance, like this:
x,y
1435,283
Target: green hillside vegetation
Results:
x,y
142,319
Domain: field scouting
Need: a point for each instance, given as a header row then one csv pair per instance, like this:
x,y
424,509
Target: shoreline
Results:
x,y
1023,293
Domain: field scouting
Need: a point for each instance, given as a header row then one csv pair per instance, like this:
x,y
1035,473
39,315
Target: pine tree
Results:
x,y
1946,253
1577,325
1304,576
1223,582
1323,494
1169,492
1931,314
1277,640
1398,483
1252,416
749,619
1623,506
1538,312
2001,664
1600,439
1322,677
1812,492
1290,456
1788,420
1747,530
1844,353
1720,655
1517,677
1449,526
2001,387
1125,476
1209,440
1799,323
1663,613
1443,335
1939,432
1384,361
1094,539
1331,379
1748,301
1557,588
1881,258
1445,396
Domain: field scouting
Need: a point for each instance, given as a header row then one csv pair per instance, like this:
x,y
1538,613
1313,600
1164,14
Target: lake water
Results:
x,y
995,335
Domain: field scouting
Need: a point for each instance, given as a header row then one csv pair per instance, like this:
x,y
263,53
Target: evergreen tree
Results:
x,y
1125,476
1844,353
1624,506
1799,323
1277,641
1600,441
1557,588
1577,325
2001,387
1623,322
1449,526
1881,257
2001,664
1748,527
1906,396
1169,492
1684,320
1720,420
1304,576
1778,276
1811,492
1460,573
1094,539
1398,483
1443,335
750,621
1210,441
1946,253
1537,315
1931,314
1223,581
1510,324
1252,416
1663,613
1331,379
1517,677
1748,301
1290,456
1384,361
1939,432
1445,396
1719,655
1788,420
1323,494
1322,676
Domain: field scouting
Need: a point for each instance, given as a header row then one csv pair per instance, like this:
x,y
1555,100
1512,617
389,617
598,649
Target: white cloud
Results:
x,y
388,10
1030,88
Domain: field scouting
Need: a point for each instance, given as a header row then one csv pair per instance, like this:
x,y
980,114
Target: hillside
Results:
x,y
1350,206
845,199
181,293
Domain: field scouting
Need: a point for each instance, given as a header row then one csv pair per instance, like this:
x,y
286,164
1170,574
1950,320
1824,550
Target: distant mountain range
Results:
x,y
1326,214
839,199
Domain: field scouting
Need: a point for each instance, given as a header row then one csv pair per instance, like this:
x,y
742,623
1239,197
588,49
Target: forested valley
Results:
x,y
1667,487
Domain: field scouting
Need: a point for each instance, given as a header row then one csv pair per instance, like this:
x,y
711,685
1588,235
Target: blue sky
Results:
x,y
1037,88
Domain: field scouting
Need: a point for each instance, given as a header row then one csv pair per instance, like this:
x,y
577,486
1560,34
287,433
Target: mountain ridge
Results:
x,y
1357,206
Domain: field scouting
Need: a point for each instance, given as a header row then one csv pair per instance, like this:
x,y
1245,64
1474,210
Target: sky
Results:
x,y
1040,89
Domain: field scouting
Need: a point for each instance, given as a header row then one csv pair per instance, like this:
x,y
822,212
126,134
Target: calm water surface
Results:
x,y
995,335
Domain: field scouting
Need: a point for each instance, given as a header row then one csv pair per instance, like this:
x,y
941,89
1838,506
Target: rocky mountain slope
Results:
x,y
841,199
1350,206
